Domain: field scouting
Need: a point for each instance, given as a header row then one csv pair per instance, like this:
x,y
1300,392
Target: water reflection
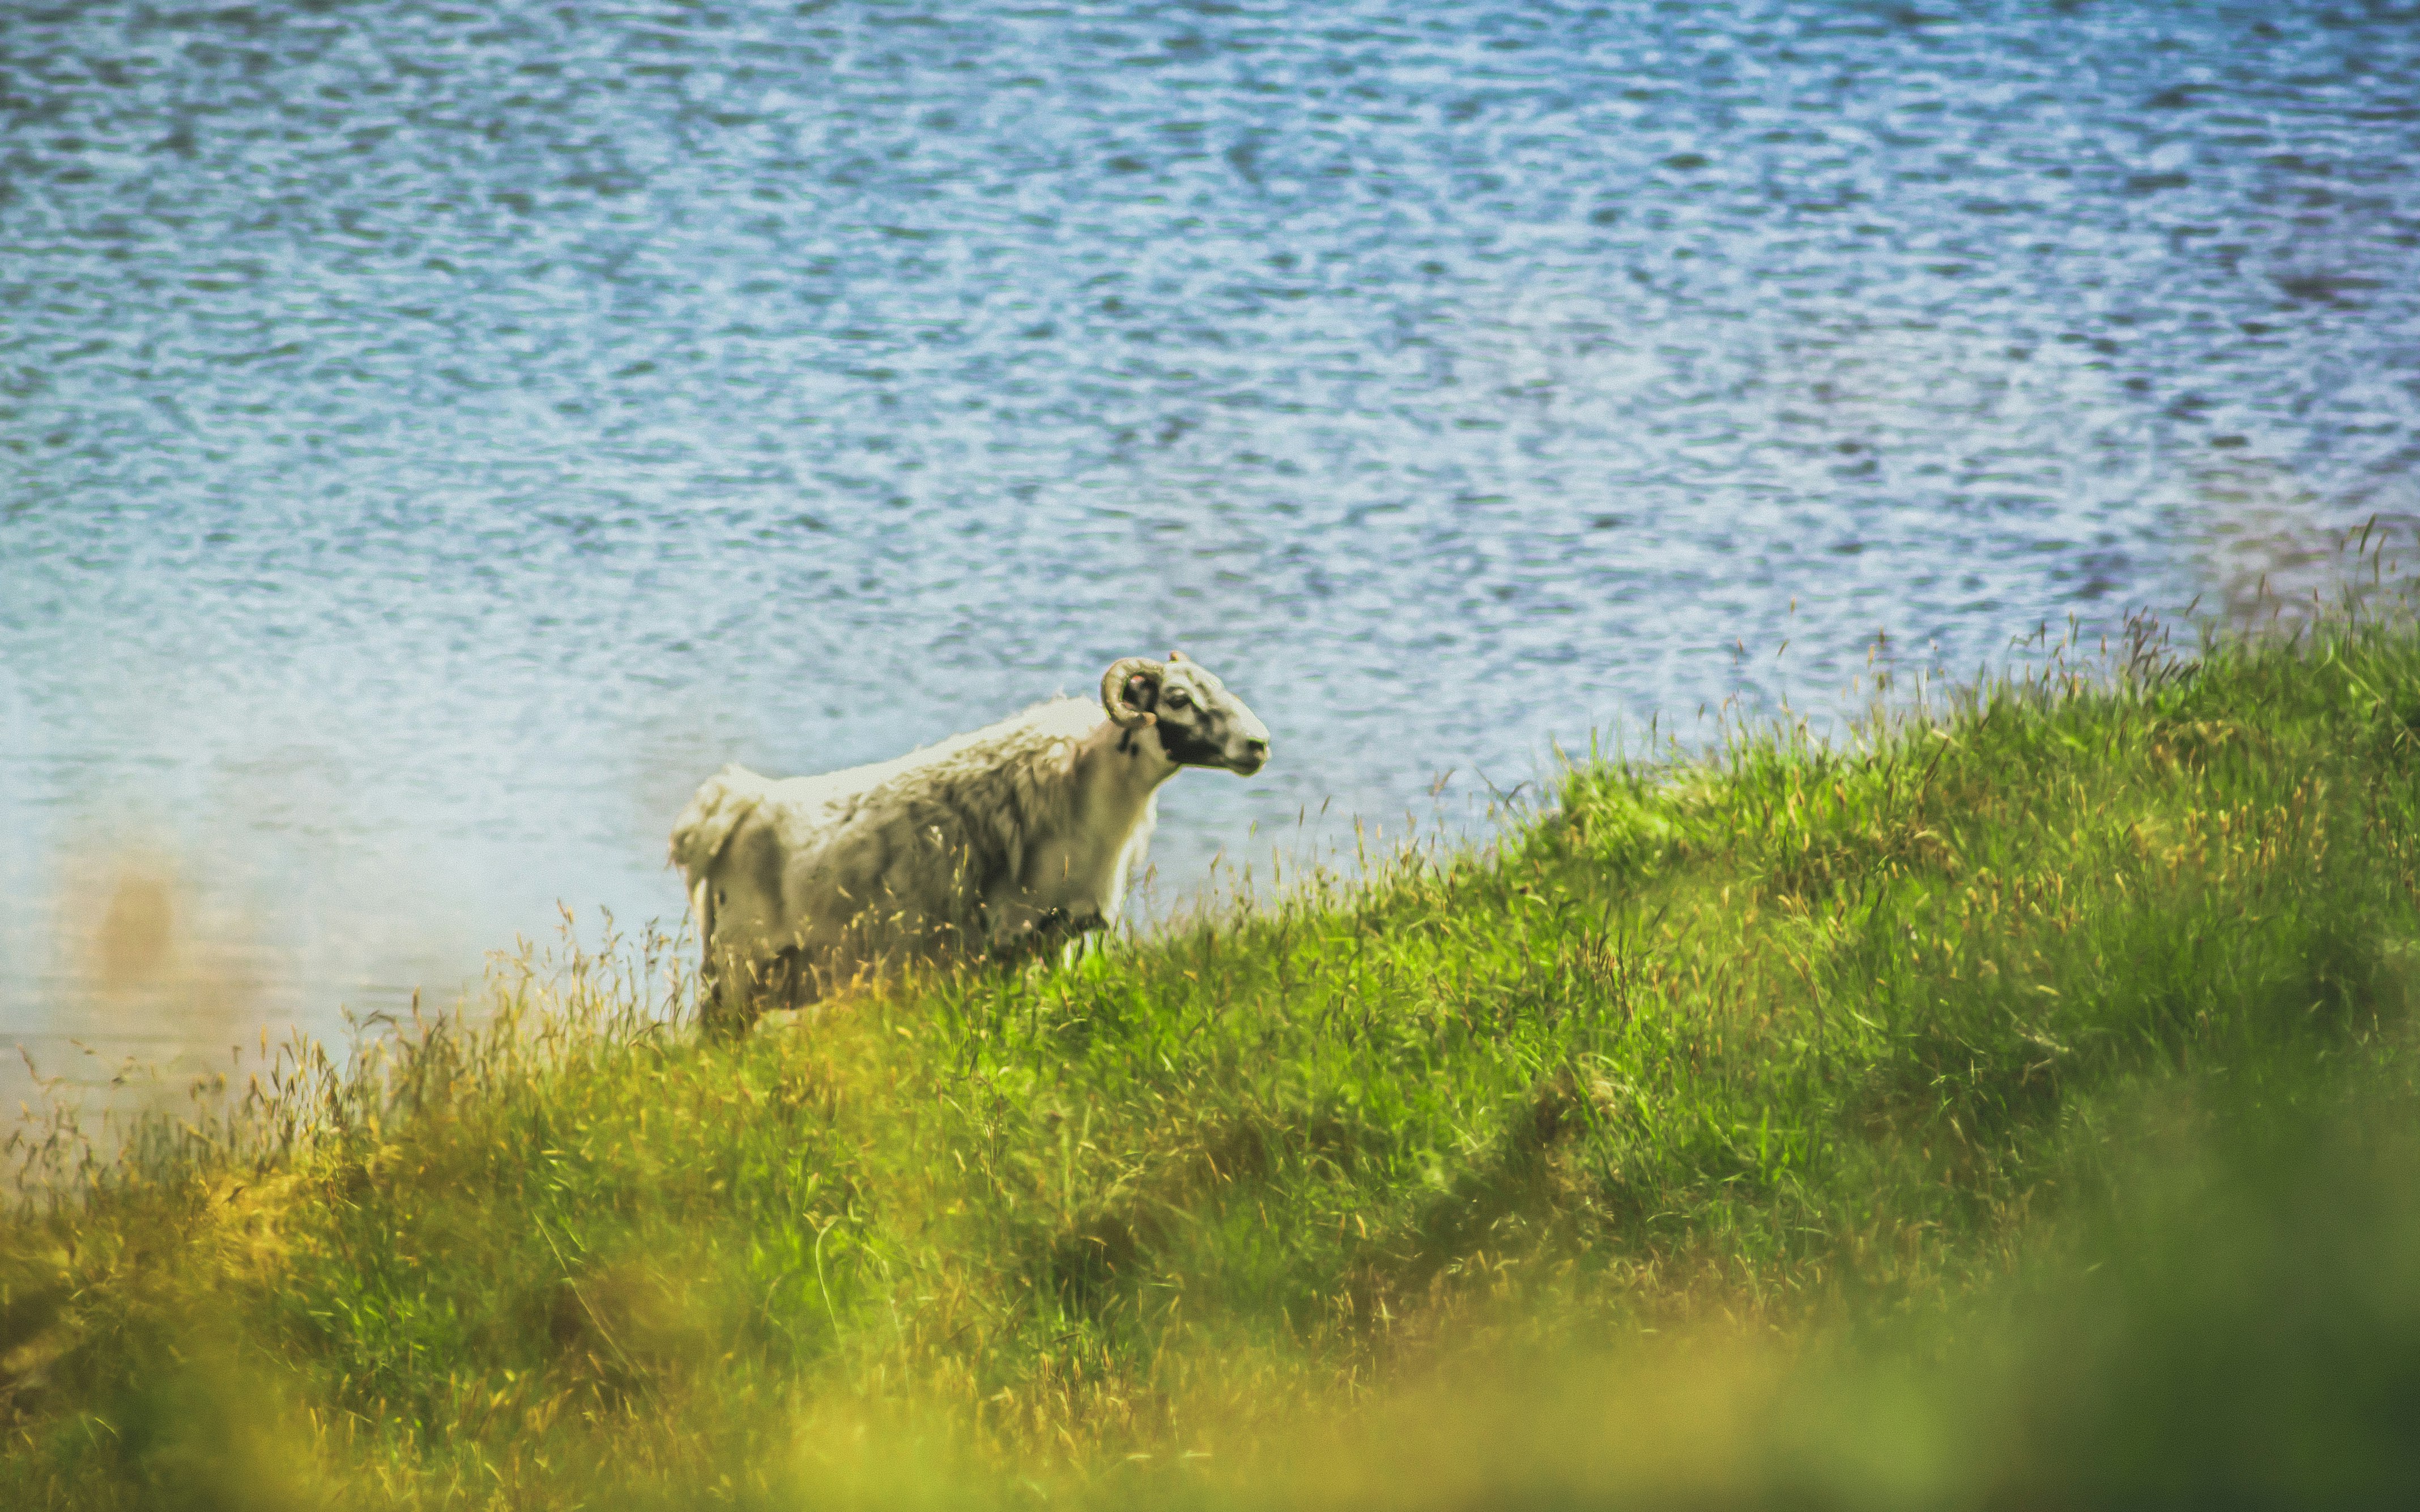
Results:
x,y
432,439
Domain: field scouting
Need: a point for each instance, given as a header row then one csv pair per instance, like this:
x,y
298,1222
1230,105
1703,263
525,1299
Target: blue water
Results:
x,y
431,439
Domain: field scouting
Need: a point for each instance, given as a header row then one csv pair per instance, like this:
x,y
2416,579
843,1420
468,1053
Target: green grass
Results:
x,y
2011,1109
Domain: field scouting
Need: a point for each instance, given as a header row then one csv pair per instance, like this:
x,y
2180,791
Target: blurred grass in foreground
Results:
x,y
2016,1108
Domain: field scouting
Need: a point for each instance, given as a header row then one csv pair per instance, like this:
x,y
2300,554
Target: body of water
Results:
x,y
433,437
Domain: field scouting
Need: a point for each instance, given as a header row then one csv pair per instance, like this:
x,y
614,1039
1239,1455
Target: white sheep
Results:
x,y
1005,838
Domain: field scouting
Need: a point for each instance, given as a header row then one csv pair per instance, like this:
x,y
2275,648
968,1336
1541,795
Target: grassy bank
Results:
x,y
2012,1108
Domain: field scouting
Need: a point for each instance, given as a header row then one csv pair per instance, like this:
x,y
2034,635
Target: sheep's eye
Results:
x,y
1177,696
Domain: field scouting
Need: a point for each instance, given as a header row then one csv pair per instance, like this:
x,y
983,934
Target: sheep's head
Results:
x,y
1198,722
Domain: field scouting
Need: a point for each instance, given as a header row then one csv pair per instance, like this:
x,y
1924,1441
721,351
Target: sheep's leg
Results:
x,y
1053,932
733,988
715,972
725,996
1091,940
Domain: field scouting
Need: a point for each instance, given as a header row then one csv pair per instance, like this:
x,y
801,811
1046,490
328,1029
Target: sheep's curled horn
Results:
x,y
1113,691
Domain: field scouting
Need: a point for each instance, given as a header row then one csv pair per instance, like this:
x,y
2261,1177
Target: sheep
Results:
x,y
992,842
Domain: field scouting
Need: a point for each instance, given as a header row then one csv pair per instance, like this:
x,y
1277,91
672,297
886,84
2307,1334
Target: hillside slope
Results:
x,y
1935,1120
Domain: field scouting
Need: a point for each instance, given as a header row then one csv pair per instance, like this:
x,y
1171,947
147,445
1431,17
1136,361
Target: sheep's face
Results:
x,y
1198,722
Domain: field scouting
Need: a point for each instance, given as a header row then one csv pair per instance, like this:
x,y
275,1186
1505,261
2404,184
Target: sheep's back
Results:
x,y
951,818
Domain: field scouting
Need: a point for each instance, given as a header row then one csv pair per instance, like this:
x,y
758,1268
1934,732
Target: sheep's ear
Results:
x,y
1142,693
1176,656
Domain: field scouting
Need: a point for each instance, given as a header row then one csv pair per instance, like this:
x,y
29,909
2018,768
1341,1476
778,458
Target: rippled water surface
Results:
x,y
432,437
